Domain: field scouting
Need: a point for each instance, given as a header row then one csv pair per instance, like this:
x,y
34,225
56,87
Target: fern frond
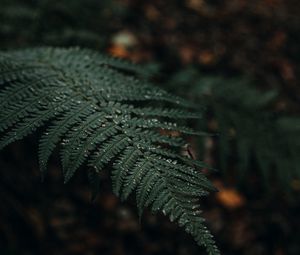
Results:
x,y
96,109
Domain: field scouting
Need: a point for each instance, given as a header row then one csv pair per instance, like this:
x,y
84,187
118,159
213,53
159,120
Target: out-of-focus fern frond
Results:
x,y
247,125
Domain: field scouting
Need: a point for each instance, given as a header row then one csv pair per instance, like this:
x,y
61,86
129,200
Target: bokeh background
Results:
x,y
237,59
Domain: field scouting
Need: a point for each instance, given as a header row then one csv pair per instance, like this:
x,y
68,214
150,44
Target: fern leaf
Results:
x,y
31,124
109,150
151,136
78,156
144,188
123,165
163,112
155,123
73,138
52,136
135,175
96,107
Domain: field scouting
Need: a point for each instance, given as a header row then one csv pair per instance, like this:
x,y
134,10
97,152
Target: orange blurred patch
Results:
x,y
118,51
229,197
207,57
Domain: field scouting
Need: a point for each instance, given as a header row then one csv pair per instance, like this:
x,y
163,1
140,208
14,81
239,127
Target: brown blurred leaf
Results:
x,y
37,221
296,184
152,13
109,202
186,54
287,70
196,5
277,41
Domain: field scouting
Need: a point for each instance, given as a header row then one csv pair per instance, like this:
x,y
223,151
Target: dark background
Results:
x,y
257,39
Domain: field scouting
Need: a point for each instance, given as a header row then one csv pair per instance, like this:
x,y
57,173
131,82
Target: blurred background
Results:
x,y
238,60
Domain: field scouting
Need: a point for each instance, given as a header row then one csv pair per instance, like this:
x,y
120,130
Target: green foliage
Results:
x,y
248,127
97,110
